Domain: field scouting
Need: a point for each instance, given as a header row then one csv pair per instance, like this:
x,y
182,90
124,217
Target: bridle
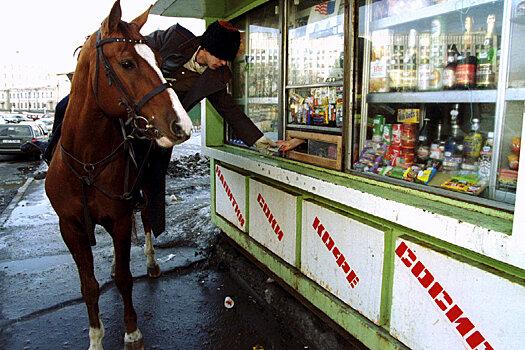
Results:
x,y
132,108
138,132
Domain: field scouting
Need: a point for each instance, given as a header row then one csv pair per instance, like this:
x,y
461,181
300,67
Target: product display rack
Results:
x,y
312,129
420,18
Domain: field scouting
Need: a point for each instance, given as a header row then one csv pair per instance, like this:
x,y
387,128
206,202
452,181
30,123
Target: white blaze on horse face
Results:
x,y
147,54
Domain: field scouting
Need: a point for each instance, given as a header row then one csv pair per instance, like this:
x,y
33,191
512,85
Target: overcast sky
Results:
x,y
47,32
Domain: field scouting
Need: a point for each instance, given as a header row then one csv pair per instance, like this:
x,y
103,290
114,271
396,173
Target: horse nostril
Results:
x,y
177,130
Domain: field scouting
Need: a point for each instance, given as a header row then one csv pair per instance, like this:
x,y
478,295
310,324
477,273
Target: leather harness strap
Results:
x,y
133,109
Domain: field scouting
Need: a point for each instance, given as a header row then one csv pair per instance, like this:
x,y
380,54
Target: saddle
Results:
x,y
153,180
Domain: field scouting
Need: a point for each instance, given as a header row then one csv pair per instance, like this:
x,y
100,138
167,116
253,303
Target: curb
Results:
x,y
19,194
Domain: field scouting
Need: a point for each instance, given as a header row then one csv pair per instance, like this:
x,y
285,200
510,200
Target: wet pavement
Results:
x,y
40,302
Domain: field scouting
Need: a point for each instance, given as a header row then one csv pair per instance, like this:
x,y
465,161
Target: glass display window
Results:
x,y
442,100
317,148
320,106
257,69
315,41
314,98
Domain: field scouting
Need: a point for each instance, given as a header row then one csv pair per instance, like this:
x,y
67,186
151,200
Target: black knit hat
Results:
x,y
222,40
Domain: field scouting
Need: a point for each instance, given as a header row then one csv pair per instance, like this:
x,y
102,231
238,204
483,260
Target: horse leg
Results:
x,y
124,281
151,263
77,242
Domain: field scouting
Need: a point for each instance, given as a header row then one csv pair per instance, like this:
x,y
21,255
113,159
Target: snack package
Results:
x,y
396,172
371,156
508,178
477,188
466,176
424,176
456,185
410,173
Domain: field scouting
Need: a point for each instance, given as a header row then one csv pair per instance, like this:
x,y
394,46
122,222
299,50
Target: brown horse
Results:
x,y
90,178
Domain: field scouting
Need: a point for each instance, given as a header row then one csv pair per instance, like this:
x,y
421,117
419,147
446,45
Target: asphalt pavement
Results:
x,y
41,305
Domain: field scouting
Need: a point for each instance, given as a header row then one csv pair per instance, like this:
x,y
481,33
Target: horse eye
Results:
x,y
127,64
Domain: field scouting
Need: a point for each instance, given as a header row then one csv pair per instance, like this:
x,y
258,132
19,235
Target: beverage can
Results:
x,y
387,133
379,121
395,155
408,135
396,135
408,156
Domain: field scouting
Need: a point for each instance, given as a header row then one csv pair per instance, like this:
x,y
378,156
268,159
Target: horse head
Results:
x,y
127,81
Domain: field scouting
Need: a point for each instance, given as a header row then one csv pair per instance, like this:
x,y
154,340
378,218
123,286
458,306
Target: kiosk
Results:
x,y
402,216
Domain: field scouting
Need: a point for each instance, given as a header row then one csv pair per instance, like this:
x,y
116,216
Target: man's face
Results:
x,y
211,61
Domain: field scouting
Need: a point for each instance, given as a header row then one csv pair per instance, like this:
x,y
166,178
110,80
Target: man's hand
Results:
x,y
266,146
289,144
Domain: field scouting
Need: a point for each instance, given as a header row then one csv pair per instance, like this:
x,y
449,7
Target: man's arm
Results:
x,y
243,126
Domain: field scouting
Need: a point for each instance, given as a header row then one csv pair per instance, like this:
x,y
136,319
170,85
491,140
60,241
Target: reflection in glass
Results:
x,y
315,42
256,69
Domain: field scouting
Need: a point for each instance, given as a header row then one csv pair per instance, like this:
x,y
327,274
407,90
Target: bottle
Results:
x,y
436,55
453,150
395,70
423,142
466,68
380,62
453,155
409,79
423,70
485,76
437,146
472,142
449,72
485,157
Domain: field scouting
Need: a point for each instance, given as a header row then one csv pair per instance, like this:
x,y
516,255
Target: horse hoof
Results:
x,y
136,345
154,271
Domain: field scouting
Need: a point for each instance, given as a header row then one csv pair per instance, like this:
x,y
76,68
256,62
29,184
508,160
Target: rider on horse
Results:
x,y
196,68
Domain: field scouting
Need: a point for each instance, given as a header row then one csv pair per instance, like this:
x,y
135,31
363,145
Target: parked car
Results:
x,y
46,124
12,136
16,118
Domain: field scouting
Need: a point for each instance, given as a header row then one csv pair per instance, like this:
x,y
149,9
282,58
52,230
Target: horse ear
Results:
x,y
111,22
140,20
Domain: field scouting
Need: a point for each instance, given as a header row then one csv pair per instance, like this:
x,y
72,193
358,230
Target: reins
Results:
x,y
133,108
138,132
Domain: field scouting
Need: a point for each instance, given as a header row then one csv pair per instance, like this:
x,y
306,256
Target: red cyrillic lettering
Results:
x,y
427,279
328,241
418,268
435,290
260,200
352,279
441,304
345,266
320,230
464,325
338,255
486,346
266,210
401,248
454,313
272,221
316,222
475,339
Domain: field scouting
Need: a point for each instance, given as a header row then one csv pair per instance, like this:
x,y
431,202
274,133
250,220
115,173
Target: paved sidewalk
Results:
x,y
41,305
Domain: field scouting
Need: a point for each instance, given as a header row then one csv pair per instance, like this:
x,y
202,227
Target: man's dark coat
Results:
x,y
176,46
